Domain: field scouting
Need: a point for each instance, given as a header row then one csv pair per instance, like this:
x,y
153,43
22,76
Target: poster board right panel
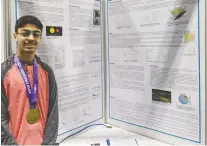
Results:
x,y
156,69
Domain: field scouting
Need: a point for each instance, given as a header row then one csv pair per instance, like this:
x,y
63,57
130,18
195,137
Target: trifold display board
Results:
x,y
136,64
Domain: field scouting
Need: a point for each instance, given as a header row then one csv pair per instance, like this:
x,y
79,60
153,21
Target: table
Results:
x,y
117,136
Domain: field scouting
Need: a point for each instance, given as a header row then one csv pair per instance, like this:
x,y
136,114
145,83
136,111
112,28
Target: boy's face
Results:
x,y
28,38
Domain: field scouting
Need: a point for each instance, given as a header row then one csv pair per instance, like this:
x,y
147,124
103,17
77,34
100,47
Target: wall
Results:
x,y
1,31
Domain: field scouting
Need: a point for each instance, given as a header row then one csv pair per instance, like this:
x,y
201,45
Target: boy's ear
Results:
x,y
15,36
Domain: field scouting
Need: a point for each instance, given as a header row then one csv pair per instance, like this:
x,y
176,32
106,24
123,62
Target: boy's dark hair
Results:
x,y
28,19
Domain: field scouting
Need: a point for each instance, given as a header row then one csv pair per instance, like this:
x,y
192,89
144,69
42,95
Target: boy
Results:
x,y
29,102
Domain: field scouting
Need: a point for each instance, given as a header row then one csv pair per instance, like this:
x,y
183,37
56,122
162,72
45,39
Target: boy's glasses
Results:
x,y
36,34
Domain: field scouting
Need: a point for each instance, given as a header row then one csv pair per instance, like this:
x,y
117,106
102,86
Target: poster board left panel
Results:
x,y
71,46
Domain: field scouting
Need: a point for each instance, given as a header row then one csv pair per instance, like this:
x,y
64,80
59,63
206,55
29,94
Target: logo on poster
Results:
x,y
183,99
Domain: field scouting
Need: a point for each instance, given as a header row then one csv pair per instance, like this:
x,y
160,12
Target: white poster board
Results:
x,y
75,54
156,69
156,66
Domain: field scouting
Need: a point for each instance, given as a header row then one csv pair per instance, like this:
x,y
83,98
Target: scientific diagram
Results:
x,y
178,12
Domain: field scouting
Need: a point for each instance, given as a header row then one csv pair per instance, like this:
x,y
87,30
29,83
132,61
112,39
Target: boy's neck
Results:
x,y
26,57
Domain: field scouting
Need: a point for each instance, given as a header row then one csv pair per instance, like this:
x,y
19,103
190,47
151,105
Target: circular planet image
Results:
x,y
183,99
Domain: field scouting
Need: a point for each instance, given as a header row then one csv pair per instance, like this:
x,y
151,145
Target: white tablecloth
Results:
x,y
117,136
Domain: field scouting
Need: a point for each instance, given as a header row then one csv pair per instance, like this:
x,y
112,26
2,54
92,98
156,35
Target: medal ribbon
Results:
x,y
31,93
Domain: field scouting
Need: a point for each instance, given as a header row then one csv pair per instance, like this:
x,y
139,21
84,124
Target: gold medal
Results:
x,y
33,116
